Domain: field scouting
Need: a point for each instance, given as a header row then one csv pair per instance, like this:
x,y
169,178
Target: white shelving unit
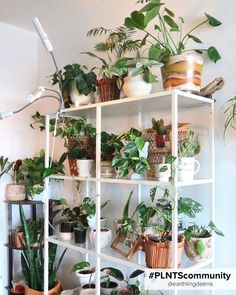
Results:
x,y
172,101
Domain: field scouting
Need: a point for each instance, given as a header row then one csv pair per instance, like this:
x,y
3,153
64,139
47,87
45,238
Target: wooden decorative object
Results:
x,y
137,244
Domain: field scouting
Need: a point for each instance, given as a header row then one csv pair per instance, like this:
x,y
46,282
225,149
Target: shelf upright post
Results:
x,y
174,115
46,206
140,126
98,194
212,149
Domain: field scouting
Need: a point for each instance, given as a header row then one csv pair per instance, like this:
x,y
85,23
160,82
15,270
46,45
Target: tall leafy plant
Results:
x,y
5,165
169,38
32,260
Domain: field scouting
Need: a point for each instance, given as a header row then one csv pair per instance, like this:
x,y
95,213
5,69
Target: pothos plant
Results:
x,y
133,156
190,145
34,172
169,38
75,75
88,206
199,232
162,208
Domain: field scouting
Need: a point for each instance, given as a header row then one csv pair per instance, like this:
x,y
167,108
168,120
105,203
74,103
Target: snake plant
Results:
x,y
32,259
5,165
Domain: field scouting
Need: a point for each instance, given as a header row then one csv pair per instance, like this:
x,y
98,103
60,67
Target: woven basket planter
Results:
x,y
108,89
85,142
54,291
190,249
159,254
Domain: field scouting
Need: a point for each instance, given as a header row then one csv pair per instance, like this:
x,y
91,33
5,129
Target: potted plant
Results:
x,y
189,147
117,44
133,156
140,79
77,82
110,144
34,228
164,169
84,272
85,165
161,132
71,218
171,50
16,190
198,241
34,172
80,234
77,133
158,246
129,289
88,207
32,263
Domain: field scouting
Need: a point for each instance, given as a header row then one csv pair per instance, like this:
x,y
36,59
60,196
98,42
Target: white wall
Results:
x,y
18,77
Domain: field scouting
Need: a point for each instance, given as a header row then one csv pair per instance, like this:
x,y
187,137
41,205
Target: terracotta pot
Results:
x,y
18,236
190,249
54,291
159,254
183,72
108,89
161,140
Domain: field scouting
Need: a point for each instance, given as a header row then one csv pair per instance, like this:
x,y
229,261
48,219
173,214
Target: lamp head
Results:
x,y
37,93
43,36
4,115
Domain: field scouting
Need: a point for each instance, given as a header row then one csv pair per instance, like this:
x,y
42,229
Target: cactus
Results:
x,y
32,260
159,126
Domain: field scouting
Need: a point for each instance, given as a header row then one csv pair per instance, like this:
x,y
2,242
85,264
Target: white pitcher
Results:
x,y
186,168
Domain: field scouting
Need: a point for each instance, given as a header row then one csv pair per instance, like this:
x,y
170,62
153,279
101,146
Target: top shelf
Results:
x,y
134,105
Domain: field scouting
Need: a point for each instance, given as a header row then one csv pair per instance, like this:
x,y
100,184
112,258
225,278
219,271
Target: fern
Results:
x,y
98,31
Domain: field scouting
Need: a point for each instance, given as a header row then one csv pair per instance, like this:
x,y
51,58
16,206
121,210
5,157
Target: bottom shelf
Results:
x,y
137,262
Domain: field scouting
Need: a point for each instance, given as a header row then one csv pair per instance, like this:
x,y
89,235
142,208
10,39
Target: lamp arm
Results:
x,y
59,94
30,103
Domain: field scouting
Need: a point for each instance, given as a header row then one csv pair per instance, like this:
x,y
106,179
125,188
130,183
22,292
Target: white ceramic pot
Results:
x,y
83,277
108,291
87,292
80,99
85,167
186,168
105,237
15,192
136,86
183,72
92,221
163,172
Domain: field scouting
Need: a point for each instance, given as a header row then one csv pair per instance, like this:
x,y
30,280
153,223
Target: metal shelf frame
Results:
x,y
137,105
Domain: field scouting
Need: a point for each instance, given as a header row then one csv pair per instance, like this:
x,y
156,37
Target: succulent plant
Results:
x,y
159,126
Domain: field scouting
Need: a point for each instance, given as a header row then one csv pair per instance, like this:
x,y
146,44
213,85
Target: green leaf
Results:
x,y
156,27
48,171
136,273
153,193
194,38
154,52
63,201
115,273
213,54
139,141
80,265
213,21
171,13
170,22
150,6
200,247
126,208
117,161
138,19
